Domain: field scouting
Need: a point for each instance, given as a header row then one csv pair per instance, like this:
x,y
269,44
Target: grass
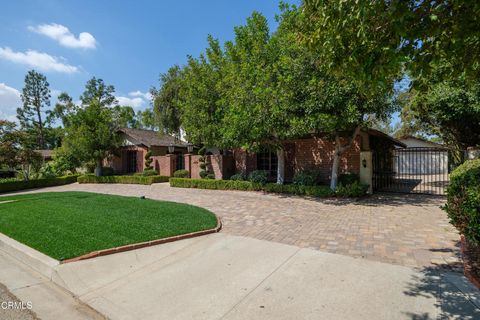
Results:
x,y
64,225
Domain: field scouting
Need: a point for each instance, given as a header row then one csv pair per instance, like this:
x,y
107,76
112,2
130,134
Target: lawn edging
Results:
x,y
145,244
37,183
145,180
313,191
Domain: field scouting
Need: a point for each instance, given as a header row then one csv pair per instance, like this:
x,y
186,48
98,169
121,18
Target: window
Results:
x,y
267,160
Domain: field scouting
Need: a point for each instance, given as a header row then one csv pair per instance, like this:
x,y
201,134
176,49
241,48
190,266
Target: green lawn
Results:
x,y
68,224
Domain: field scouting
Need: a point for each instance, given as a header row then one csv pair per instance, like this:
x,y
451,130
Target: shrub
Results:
x,y
107,171
346,179
38,183
239,176
210,176
146,180
352,190
203,174
148,160
463,200
149,173
258,176
181,174
306,177
313,191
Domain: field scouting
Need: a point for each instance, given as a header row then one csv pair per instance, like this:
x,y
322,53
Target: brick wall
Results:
x,y
311,153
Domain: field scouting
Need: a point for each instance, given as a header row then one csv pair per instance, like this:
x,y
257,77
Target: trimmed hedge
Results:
x,y
463,200
37,183
123,179
314,191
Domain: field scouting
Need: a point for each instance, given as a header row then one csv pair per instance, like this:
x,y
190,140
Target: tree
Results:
x,y
92,134
165,102
97,91
125,117
146,119
9,144
63,110
35,97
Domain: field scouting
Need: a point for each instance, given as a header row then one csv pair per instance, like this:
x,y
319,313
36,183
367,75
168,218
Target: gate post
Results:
x,y
366,169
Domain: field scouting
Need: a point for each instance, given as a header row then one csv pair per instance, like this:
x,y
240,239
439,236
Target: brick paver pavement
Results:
x,y
409,230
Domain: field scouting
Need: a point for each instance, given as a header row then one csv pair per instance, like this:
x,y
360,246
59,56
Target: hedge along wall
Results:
x,y
123,179
314,191
38,183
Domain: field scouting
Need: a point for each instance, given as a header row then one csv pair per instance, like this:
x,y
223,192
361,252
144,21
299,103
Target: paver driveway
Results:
x,y
409,230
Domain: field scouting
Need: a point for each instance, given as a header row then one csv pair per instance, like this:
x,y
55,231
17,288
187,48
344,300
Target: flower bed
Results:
x,y
146,180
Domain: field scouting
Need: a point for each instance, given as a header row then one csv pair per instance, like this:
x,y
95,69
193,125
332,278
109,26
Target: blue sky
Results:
x,y
126,43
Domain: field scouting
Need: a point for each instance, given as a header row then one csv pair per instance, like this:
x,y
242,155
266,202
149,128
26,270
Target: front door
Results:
x,y
131,161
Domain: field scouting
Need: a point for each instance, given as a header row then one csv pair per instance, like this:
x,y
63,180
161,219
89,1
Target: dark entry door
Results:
x,y
131,161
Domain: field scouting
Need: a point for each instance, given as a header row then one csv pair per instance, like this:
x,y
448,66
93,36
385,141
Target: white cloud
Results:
x,y
35,59
147,96
135,103
9,102
67,39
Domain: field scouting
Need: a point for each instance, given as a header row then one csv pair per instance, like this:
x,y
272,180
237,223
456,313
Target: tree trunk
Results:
x,y
98,168
339,150
335,165
40,127
280,166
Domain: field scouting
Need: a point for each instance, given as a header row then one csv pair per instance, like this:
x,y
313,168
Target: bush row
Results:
x,y
37,183
463,200
353,190
123,179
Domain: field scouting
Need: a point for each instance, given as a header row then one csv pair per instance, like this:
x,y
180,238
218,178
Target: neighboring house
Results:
x,y
130,157
421,157
316,152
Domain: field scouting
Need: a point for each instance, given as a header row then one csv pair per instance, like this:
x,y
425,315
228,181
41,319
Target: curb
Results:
x,y
467,269
145,244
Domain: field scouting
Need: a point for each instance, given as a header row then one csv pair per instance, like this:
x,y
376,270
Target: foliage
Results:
x,y
306,177
348,178
181,174
36,183
463,200
35,98
146,119
30,162
92,133
258,176
203,162
352,190
63,110
107,171
239,176
210,176
97,92
449,109
313,191
148,160
125,117
149,172
165,101
10,140
79,220
123,179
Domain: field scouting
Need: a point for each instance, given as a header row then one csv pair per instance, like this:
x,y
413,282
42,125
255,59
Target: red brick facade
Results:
x,y
310,153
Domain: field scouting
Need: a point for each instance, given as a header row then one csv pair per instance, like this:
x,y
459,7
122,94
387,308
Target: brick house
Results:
x,y
317,152
130,157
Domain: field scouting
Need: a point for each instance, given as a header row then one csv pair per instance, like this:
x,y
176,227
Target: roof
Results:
x,y
381,134
438,145
151,138
45,153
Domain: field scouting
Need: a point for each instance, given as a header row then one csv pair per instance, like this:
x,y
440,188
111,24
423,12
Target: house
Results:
x,y
130,157
47,155
317,152
415,142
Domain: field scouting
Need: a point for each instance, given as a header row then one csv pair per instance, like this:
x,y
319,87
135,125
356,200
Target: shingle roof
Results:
x,y
152,138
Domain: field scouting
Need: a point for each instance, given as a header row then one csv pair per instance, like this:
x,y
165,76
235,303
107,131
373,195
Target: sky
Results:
x,y
125,43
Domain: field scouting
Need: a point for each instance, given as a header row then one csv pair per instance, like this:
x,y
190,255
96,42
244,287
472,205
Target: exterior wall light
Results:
x,y
171,148
190,148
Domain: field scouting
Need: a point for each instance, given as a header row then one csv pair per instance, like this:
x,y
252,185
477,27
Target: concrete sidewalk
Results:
x,y
230,277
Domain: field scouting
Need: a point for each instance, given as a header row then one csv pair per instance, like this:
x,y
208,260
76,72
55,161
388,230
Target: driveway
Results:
x,y
408,230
